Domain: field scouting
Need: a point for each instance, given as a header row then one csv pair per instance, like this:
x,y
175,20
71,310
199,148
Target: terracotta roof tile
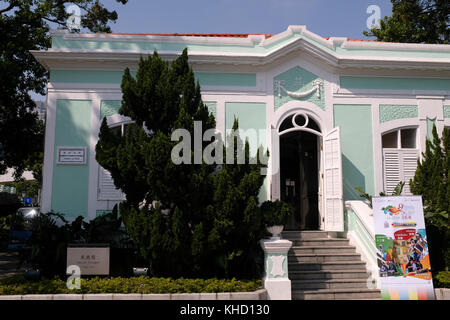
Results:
x,y
223,35
220,35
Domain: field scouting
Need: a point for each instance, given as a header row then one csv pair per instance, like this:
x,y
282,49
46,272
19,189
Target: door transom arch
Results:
x,y
329,163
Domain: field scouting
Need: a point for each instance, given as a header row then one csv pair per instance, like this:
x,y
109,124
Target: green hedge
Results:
x,y
18,285
442,279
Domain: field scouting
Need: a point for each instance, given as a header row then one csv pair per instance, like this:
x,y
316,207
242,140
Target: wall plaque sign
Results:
x,y
91,260
72,155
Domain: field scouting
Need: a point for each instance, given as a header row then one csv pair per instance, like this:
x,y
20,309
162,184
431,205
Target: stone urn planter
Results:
x,y
275,231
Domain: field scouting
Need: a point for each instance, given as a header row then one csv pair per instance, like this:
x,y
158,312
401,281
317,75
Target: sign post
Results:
x,y
401,241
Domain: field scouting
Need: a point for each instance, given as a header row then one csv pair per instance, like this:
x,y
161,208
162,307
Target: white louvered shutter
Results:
x,y
399,165
334,207
106,188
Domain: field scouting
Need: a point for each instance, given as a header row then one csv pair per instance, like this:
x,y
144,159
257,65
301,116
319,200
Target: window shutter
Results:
x,y
334,207
399,165
392,169
106,188
409,163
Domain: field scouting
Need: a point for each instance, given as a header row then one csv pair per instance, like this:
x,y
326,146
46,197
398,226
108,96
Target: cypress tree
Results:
x,y
197,220
431,180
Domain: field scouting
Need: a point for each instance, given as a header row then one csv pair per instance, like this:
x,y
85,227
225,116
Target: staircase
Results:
x,y
324,267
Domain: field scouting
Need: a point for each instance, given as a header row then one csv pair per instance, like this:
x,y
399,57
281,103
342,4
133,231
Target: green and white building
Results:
x,y
346,114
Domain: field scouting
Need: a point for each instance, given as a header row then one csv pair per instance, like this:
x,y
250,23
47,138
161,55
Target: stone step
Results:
x,y
329,275
321,242
321,249
327,266
329,284
337,294
327,257
300,235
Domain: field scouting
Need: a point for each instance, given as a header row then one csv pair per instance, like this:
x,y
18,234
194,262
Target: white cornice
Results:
x,y
90,59
368,45
246,42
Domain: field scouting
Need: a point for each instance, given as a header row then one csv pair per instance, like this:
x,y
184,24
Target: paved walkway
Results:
x,y
9,262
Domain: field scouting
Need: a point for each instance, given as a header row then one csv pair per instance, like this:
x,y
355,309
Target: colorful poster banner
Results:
x,y
402,248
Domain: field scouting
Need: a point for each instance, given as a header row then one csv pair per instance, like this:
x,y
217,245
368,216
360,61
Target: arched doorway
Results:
x,y
299,144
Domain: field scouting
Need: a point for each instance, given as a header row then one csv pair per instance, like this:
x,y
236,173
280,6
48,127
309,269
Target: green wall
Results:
x,y
251,116
71,182
226,79
355,122
385,83
115,77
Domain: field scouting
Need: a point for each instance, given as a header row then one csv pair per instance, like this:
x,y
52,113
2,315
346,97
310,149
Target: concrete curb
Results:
x,y
441,294
256,295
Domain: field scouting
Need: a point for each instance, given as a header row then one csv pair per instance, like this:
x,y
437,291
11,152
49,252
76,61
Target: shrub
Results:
x,y
442,279
51,234
17,285
5,226
275,212
9,203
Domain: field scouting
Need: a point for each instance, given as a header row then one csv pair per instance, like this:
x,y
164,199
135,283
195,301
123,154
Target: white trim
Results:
x,y
396,94
204,40
375,45
377,147
93,165
47,168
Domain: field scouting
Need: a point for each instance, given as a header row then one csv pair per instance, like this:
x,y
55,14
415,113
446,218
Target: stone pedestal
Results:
x,y
276,279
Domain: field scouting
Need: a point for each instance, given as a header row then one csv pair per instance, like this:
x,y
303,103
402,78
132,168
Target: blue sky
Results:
x,y
346,18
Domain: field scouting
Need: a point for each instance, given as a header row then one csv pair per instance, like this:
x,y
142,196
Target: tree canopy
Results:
x,y
24,26
415,21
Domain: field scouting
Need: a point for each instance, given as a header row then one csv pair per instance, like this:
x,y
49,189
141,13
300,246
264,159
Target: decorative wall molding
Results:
x,y
395,112
447,111
317,85
298,84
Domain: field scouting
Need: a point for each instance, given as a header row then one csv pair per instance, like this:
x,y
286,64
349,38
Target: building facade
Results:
x,y
335,113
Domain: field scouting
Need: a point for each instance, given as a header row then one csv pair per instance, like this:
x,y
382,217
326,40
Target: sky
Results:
x,y
339,18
